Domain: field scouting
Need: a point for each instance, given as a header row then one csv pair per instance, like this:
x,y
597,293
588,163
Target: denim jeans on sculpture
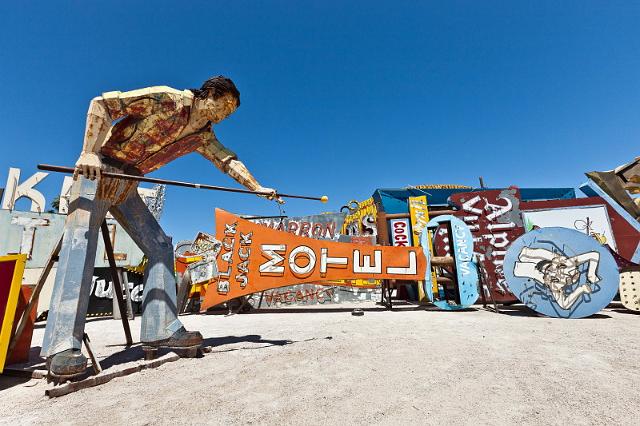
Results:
x,y
88,207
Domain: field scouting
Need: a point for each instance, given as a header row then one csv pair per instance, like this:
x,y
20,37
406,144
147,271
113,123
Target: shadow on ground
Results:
x,y
17,374
218,342
135,353
7,381
523,311
404,307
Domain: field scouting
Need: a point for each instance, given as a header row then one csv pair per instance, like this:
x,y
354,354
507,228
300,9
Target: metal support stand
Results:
x,y
387,292
117,285
483,281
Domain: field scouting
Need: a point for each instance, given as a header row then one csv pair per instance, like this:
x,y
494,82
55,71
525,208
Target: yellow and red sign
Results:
x,y
255,258
419,210
11,270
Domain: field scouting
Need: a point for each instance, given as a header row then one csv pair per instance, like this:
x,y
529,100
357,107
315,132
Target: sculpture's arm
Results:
x,y
227,161
99,122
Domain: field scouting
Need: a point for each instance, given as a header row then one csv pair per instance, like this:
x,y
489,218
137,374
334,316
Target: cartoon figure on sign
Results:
x,y
560,272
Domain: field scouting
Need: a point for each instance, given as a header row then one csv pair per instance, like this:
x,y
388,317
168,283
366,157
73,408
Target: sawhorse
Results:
x,y
53,258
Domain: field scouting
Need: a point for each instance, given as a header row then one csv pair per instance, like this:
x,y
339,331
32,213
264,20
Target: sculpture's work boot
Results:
x,y
186,343
67,364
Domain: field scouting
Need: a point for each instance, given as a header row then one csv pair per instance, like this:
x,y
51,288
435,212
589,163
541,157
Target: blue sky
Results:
x,y
338,97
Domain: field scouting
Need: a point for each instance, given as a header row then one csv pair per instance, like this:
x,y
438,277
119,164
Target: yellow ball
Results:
x,y
324,198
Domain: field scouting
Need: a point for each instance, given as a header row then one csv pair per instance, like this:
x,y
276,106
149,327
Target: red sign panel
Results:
x,y
495,221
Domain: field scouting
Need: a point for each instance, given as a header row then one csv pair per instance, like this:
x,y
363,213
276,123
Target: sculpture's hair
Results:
x,y
217,86
543,265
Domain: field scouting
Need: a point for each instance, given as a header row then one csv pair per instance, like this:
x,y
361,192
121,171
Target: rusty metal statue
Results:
x,y
134,132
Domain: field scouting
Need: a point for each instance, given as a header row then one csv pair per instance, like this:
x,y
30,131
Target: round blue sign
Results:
x,y
561,273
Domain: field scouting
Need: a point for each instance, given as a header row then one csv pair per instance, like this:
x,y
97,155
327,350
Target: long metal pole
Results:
x,y
71,170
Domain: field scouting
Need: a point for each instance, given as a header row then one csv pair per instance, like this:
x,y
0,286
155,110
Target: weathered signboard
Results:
x,y
360,228
495,221
419,212
400,232
464,269
561,272
309,294
326,226
590,220
255,258
361,221
593,216
101,292
322,226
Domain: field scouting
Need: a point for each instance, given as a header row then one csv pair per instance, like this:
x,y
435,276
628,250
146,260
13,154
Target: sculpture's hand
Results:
x,y
271,194
89,165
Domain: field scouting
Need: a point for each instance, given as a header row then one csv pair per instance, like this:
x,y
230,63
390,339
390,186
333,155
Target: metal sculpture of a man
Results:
x,y
134,132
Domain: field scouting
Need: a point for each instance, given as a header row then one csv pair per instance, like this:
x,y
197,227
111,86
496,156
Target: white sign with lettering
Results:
x,y
400,232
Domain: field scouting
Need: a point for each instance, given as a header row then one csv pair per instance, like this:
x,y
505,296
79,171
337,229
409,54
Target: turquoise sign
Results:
x,y
465,269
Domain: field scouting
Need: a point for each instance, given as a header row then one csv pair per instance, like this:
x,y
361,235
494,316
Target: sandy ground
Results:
x,y
409,365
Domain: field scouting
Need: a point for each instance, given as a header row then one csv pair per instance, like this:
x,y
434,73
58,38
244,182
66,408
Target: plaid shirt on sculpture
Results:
x,y
152,120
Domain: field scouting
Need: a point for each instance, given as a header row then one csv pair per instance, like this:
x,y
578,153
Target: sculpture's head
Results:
x,y
217,98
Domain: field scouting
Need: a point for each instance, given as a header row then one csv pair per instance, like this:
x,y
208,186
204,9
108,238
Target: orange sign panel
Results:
x,y
255,258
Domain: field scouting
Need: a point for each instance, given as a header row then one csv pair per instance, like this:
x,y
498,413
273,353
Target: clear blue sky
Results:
x,y
338,97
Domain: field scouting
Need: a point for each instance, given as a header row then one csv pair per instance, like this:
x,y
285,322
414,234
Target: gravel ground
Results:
x,y
325,366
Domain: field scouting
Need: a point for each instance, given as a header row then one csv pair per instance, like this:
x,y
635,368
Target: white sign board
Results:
x,y
590,220
400,232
